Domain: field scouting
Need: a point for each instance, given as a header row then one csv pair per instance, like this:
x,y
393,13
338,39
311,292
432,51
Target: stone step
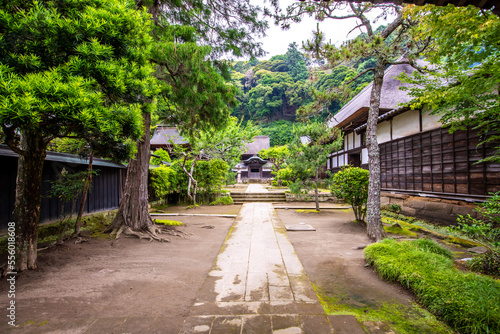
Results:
x,y
279,195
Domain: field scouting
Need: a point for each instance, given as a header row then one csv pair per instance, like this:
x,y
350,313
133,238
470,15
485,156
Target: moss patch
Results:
x,y
307,211
168,222
393,229
400,318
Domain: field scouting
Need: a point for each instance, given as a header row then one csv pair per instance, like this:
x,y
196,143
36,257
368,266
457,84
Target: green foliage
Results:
x,y
277,155
194,95
74,68
297,187
163,156
310,149
211,176
162,179
469,303
464,52
280,132
295,63
69,185
396,208
485,230
351,185
224,200
228,27
226,144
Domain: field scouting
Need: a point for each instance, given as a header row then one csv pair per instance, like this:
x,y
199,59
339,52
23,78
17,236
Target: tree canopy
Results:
x,y
465,56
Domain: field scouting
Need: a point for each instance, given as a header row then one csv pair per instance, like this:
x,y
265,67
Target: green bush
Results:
x,y
350,184
297,187
486,231
224,200
469,303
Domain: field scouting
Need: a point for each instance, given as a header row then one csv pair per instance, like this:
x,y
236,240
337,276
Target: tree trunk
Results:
x,y
316,190
88,181
133,211
374,226
28,199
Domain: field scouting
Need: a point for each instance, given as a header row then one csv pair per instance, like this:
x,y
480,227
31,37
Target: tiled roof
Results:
x,y
258,143
355,111
163,135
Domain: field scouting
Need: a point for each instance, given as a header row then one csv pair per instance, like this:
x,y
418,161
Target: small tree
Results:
x,y
278,156
350,184
310,149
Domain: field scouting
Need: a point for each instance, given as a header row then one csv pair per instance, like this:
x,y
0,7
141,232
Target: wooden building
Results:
x,y
419,157
253,168
105,193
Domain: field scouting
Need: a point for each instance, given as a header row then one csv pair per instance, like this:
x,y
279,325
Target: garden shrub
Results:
x,y
486,231
468,302
350,184
224,200
297,187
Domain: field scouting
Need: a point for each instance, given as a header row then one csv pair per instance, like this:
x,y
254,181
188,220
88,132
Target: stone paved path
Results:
x,y
258,284
256,188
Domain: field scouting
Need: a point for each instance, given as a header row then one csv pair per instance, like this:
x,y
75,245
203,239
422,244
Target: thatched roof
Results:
x,y
485,4
163,136
355,112
258,143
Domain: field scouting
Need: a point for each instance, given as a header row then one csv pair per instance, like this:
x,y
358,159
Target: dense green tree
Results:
x,y
67,69
229,27
465,56
296,63
279,132
309,151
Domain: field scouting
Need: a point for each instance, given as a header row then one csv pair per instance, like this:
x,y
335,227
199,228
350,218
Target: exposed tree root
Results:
x,y
152,233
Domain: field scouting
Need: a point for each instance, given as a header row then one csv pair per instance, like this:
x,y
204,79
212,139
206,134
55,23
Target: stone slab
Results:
x,y
300,227
345,324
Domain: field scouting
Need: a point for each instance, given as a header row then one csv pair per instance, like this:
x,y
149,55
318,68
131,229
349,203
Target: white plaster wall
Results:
x,y
357,140
430,122
328,164
341,160
334,162
383,132
364,156
406,124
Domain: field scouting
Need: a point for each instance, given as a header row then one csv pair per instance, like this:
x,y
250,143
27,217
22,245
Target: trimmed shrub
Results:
x,y
224,200
469,303
350,184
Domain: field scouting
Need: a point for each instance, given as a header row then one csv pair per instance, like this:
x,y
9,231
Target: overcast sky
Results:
x,y
276,42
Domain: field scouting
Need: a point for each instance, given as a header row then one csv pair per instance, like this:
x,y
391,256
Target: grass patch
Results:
x,y
467,302
225,200
394,229
168,222
192,207
307,211
400,318
94,224
442,232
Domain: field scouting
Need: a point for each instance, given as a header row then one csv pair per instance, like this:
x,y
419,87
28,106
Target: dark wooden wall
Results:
x,y
104,195
439,162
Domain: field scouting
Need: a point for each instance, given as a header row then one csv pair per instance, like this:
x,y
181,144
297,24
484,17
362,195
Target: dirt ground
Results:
x,y
333,259
136,286
131,286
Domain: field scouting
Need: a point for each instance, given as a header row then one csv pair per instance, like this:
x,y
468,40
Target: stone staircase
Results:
x,y
258,197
